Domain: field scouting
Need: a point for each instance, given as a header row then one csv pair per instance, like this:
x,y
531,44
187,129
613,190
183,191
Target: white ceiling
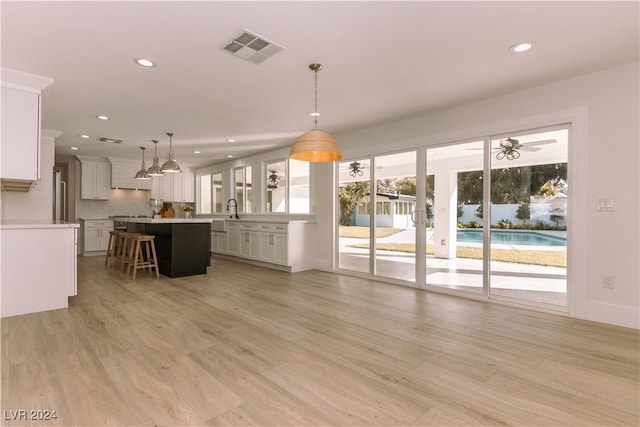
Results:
x,y
382,61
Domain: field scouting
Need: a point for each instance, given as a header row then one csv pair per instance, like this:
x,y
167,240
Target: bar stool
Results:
x,y
143,255
113,247
125,248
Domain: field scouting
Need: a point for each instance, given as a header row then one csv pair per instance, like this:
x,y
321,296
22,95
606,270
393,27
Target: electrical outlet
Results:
x,y
608,282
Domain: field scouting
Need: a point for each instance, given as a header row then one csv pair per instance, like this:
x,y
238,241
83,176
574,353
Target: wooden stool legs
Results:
x,y
143,245
112,247
134,251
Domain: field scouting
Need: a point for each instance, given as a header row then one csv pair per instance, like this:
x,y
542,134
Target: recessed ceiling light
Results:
x,y
314,114
73,148
230,156
196,152
231,140
102,117
521,47
145,62
85,136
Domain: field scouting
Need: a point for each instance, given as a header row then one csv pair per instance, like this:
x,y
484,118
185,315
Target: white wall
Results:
x,y
604,158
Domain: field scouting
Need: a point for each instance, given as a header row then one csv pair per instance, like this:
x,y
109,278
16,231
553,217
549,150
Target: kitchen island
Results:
x,y
182,245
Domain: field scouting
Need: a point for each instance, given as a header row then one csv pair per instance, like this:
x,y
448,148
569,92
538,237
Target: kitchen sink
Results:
x,y
218,225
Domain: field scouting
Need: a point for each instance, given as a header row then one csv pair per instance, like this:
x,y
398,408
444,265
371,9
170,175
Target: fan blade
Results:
x,y
536,143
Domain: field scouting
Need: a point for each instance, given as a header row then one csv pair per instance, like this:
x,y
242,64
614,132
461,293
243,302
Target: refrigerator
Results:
x,y
60,214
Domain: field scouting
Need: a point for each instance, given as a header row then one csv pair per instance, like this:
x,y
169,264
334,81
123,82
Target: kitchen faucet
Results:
x,y
234,206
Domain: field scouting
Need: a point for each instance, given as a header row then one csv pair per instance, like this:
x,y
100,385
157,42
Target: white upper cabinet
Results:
x,y
95,180
123,172
20,148
177,187
20,134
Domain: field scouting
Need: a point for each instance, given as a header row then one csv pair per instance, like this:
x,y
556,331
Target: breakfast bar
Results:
x,y
182,245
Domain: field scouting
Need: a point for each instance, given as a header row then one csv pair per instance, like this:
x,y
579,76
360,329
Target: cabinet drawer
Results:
x,y
98,224
265,227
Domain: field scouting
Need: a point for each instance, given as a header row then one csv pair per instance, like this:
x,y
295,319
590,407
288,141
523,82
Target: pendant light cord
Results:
x,y
315,116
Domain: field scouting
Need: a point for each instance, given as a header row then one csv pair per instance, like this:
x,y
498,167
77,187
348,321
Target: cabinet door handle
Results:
x,y
271,239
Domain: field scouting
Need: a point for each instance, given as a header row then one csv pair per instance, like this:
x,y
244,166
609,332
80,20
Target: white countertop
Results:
x,y
269,220
15,225
168,220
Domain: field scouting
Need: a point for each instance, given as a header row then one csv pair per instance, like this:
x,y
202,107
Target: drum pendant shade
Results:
x,y
316,145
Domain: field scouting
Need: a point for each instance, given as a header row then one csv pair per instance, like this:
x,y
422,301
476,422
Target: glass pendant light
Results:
x,y
142,173
316,145
170,165
155,170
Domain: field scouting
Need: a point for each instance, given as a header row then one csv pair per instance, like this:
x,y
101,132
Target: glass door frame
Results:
x,y
421,217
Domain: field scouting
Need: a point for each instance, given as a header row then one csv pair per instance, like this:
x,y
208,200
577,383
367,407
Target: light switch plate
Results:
x,y
605,205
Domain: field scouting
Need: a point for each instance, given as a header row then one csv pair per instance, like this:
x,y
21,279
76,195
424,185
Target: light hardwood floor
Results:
x,y
246,345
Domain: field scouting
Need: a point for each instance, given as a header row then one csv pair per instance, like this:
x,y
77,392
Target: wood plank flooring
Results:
x,y
246,345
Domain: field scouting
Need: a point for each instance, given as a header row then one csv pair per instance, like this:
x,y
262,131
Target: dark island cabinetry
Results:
x,y
183,248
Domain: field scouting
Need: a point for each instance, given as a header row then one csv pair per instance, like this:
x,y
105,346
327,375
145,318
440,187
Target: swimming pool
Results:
x,y
512,237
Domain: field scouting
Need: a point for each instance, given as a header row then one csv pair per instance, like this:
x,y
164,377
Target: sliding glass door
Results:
x,y
354,217
454,188
395,218
377,230
529,217
488,216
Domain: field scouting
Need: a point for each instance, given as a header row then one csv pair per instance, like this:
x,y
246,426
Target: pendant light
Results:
x,y
170,165
142,173
316,145
155,170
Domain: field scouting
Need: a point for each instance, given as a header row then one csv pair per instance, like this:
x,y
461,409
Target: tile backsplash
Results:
x,y
122,202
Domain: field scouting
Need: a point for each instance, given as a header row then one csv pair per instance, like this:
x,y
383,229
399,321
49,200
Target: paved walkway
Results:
x,y
532,282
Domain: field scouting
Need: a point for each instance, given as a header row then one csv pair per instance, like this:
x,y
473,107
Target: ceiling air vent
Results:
x,y
109,140
252,47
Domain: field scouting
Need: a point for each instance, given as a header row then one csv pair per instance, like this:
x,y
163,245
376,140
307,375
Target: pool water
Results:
x,y
512,238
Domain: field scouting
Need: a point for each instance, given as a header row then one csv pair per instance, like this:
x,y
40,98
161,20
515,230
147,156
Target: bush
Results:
x,y
470,224
541,225
503,223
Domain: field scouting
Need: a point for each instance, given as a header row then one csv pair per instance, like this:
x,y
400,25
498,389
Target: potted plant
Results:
x,y
187,209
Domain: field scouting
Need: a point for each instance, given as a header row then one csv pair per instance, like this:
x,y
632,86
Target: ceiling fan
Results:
x,y
510,148
355,168
273,180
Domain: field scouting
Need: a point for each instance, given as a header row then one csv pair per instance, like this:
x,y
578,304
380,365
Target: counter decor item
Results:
x,y
187,209
167,211
156,206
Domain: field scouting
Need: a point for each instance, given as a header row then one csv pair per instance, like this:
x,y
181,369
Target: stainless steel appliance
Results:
x,y
120,221
60,214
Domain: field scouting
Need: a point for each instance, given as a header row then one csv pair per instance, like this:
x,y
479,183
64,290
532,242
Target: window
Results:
x,y
404,208
299,199
210,193
383,208
287,185
243,189
216,186
276,183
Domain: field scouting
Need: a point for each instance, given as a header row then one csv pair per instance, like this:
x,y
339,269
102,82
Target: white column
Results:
x,y
446,208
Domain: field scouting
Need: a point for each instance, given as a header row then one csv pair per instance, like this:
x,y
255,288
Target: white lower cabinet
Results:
x,y
233,238
95,236
219,242
39,271
284,244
